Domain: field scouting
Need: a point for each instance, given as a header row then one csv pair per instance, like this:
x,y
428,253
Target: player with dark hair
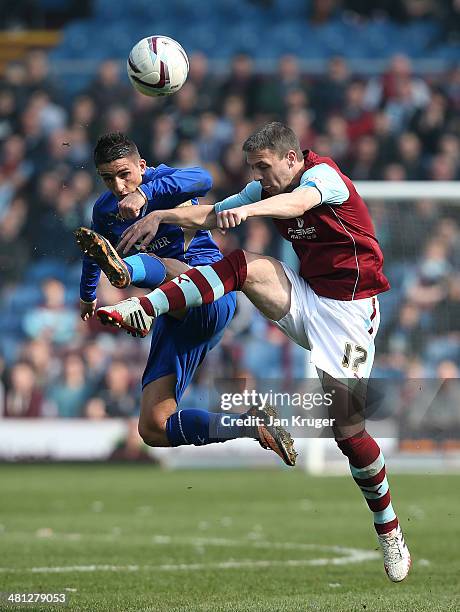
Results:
x,y
181,341
330,306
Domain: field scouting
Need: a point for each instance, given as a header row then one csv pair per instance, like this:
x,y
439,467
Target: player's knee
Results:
x,y
153,433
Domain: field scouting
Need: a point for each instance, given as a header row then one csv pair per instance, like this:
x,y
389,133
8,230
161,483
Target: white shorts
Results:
x,y
339,333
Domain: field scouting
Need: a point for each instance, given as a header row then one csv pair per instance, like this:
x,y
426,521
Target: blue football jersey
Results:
x,y
165,188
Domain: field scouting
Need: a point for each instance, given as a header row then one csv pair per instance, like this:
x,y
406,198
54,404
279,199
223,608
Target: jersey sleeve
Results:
x,y
167,190
328,182
250,194
90,271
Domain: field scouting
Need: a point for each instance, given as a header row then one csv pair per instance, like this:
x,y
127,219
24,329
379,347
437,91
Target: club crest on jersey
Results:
x,y
300,232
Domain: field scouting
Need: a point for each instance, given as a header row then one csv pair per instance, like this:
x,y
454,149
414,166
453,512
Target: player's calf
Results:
x,y
153,434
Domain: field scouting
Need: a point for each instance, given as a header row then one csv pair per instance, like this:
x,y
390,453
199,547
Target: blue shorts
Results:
x,y
178,347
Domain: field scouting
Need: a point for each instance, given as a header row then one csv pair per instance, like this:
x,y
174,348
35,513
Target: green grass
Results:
x,y
149,522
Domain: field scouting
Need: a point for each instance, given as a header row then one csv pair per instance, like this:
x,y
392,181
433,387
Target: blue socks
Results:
x,y
199,427
146,271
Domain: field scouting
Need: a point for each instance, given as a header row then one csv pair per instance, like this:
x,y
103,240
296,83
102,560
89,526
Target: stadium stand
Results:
x,y
394,125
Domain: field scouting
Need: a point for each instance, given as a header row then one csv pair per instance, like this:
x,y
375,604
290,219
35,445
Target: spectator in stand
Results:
x,y
396,82
451,88
51,320
336,130
407,334
235,172
164,139
365,162
184,113
14,166
450,16
322,11
7,113
83,190
240,82
107,89
14,250
23,398
38,75
443,168
233,112
117,393
360,121
34,139
51,231
204,83
97,360
394,172
117,118
45,363
428,286
410,155
328,94
210,139
300,121
83,114
272,90
386,139
51,116
429,122
445,326
68,395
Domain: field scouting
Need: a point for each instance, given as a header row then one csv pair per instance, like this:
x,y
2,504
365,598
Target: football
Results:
x,y
157,66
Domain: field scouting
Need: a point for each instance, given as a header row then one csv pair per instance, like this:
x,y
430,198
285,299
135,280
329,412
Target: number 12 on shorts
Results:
x,y
353,355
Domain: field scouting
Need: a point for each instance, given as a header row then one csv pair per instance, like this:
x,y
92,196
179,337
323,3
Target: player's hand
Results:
x,y
87,309
231,218
130,206
143,231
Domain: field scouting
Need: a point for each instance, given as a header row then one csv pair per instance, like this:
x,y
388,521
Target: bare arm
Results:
x,y
188,217
282,206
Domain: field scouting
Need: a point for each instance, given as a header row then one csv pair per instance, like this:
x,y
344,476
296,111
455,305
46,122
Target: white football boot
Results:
x,y
396,555
128,315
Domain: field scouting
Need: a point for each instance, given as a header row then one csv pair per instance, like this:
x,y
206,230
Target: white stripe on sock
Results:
x,y
159,301
385,516
213,279
180,427
376,491
190,290
369,470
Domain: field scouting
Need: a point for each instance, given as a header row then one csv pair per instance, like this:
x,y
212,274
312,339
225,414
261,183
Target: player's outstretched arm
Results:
x,y
282,206
144,230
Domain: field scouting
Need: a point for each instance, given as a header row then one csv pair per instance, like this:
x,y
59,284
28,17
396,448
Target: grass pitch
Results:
x,y
139,539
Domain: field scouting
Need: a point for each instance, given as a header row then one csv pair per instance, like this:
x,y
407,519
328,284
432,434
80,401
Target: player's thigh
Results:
x,y
267,286
342,335
158,403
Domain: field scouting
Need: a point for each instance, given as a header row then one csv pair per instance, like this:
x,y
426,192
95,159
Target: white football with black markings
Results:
x,y
157,66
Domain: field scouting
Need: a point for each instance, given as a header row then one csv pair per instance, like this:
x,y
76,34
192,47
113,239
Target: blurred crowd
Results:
x,y
394,126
